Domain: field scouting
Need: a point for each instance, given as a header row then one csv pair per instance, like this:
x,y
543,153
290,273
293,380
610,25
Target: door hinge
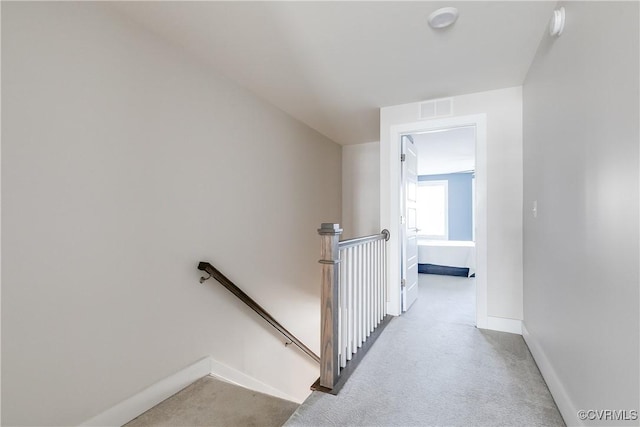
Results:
x,y
403,157
403,283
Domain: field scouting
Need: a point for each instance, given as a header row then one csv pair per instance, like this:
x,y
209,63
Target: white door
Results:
x,y
409,239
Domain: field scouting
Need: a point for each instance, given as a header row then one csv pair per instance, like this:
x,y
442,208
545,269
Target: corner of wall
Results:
x,y
149,397
566,407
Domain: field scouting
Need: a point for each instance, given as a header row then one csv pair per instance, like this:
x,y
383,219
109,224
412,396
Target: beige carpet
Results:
x,y
433,367
211,402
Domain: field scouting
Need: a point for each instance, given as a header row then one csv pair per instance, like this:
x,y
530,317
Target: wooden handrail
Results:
x,y
231,287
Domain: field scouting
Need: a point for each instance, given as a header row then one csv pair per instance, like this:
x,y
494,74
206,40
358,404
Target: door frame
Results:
x,y
390,203
404,306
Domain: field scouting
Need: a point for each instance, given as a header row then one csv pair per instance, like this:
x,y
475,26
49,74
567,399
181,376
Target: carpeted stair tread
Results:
x,y
211,402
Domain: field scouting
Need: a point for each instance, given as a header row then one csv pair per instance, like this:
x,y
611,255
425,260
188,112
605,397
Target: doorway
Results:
x,y
391,202
439,224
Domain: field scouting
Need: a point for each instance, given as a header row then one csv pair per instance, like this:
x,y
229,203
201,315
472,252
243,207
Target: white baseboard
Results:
x,y
513,326
141,402
146,399
567,409
233,376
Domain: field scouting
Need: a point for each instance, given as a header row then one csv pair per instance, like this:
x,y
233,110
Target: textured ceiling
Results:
x,y
332,65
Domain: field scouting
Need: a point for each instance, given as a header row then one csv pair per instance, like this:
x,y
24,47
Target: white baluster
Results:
x,y
372,268
365,268
370,286
381,281
356,270
346,344
361,303
377,273
384,275
367,302
383,301
343,309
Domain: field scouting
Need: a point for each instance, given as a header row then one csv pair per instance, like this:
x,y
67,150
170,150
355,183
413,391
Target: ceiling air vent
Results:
x,y
436,108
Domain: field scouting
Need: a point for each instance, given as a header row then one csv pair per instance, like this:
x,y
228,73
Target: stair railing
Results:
x,y
353,302
231,287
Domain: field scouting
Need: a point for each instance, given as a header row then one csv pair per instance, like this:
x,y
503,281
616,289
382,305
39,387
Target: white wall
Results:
x,y
124,164
581,271
503,109
360,190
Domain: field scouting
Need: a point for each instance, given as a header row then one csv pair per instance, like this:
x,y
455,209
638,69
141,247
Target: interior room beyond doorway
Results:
x,y
446,212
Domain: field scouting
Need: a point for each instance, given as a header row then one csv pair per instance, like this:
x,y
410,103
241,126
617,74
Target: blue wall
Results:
x,y
460,203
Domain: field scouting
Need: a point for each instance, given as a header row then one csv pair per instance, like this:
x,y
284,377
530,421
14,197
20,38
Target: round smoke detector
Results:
x,y
444,17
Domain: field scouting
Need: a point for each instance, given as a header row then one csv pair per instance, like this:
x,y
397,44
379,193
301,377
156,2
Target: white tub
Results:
x,y
449,253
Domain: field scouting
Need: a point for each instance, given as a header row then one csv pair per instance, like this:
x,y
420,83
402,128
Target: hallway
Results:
x,y
431,366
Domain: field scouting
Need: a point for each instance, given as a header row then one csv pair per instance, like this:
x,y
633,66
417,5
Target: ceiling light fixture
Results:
x,y
444,17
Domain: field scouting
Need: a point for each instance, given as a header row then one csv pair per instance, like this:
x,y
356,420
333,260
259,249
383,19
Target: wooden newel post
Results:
x,y
329,259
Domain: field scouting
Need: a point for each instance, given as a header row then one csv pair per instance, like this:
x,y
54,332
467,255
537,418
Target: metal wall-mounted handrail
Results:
x,y
231,287
384,235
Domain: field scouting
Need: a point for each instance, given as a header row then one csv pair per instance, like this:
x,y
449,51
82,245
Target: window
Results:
x,y
433,209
